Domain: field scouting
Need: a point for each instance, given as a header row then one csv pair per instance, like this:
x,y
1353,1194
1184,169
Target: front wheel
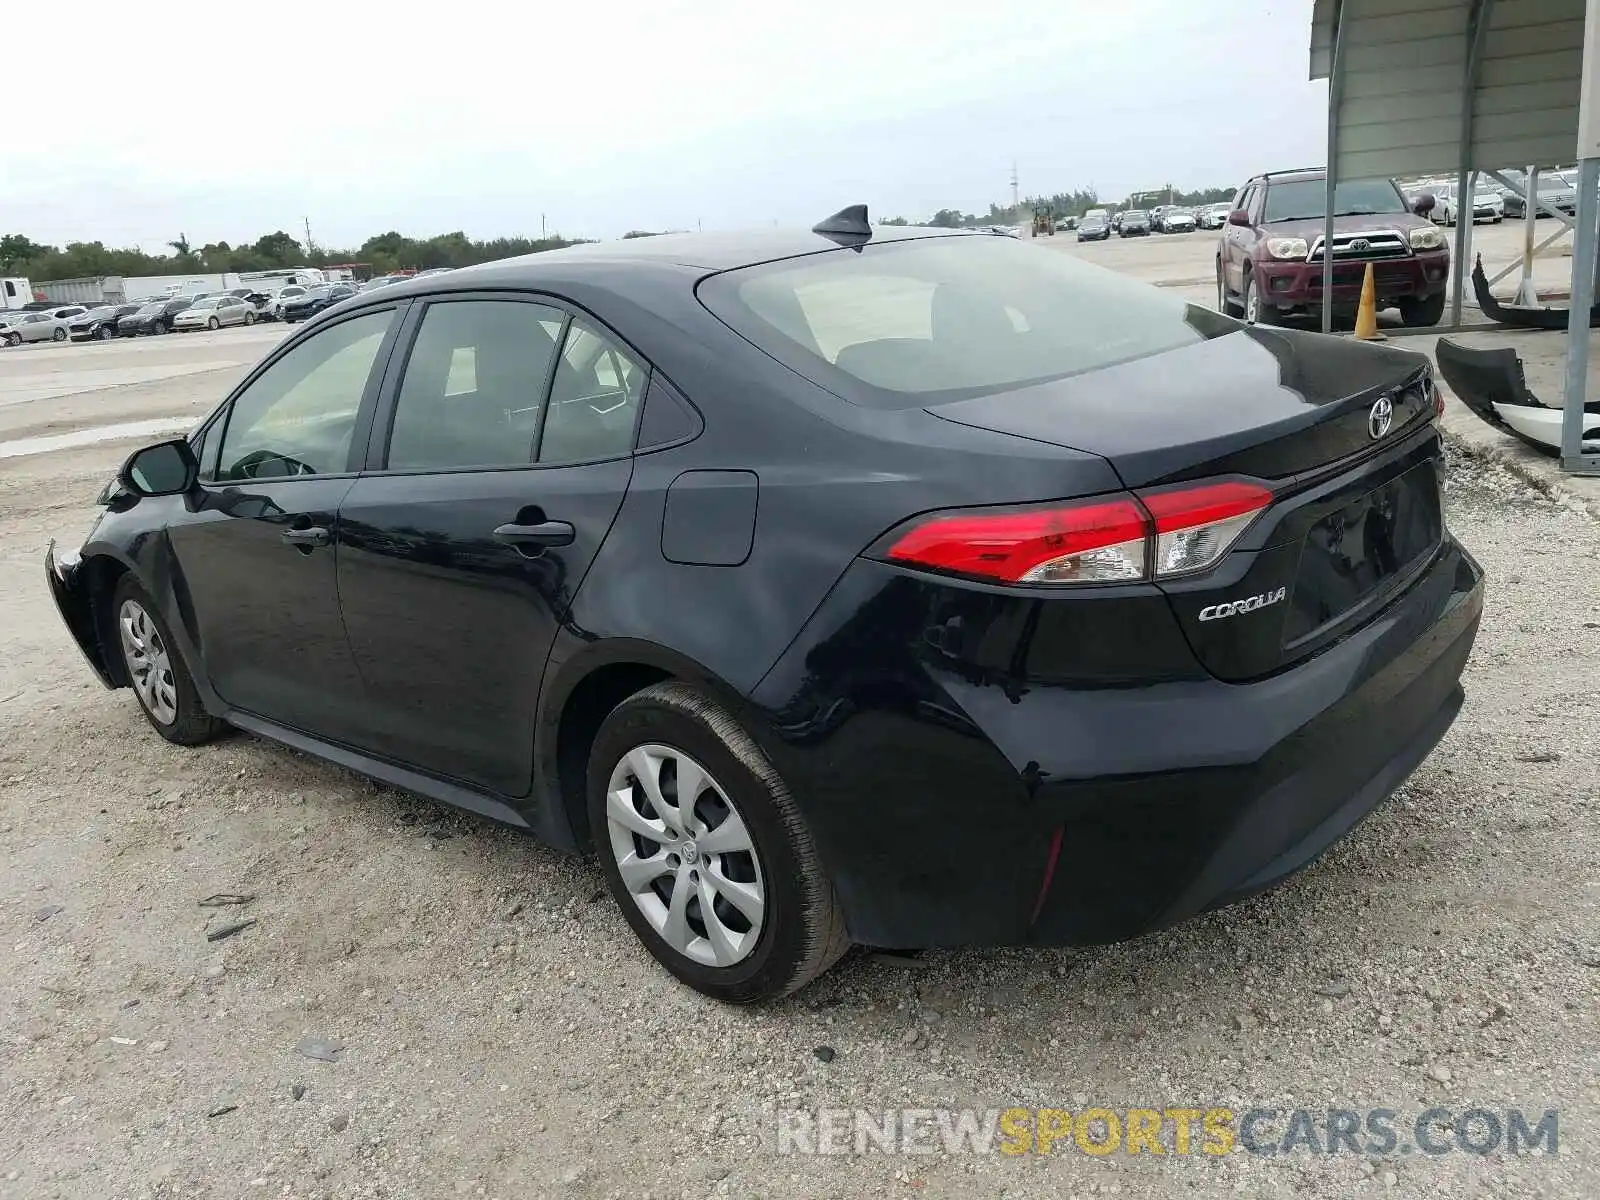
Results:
x,y
249,318
1255,312
13,339
60,335
105,333
1422,313
157,672
705,850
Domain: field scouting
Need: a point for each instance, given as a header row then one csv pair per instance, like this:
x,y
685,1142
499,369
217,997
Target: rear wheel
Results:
x,y
705,850
1225,305
159,677
213,323
1421,313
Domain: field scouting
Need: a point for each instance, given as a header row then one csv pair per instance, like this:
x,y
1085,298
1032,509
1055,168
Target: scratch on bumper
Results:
x,y
64,573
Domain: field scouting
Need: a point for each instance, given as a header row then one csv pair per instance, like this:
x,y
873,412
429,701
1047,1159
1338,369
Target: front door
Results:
x,y
507,456
256,551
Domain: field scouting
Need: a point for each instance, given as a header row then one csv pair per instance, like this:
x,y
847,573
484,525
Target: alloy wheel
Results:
x,y
685,855
149,663
1252,303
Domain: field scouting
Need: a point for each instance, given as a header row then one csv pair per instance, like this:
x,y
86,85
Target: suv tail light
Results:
x,y
1122,538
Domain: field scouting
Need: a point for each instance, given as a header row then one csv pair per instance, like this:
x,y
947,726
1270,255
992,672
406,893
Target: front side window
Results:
x,y
298,416
474,386
903,324
594,398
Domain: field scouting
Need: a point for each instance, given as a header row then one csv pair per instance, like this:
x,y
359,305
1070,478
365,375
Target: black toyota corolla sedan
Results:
x,y
859,585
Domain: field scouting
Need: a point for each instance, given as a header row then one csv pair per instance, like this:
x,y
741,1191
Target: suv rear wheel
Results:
x,y
1422,313
1224,305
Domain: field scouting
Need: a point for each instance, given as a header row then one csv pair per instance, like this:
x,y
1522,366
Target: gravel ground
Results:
x,y
487,1025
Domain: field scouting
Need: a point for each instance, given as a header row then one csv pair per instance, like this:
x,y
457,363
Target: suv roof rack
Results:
x,y
1290,171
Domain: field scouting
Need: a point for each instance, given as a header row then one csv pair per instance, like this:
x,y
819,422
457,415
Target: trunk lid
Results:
x,y
1263,402
1356,511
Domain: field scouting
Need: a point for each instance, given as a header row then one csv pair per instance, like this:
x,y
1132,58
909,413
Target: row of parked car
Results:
x,y
1493,201
180,314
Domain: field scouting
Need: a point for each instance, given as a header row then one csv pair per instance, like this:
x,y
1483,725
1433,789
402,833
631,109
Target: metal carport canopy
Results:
x,y
1457,86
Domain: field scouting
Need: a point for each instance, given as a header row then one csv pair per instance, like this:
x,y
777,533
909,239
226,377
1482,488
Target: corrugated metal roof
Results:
x,y
1404,82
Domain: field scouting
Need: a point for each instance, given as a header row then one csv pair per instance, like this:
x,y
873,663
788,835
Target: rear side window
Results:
x,y
594,398
474,386
903,324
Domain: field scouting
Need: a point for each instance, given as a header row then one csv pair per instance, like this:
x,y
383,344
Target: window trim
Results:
x,y
377,453
364,409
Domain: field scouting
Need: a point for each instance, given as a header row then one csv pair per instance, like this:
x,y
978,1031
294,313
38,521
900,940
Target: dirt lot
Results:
x,y
503,1036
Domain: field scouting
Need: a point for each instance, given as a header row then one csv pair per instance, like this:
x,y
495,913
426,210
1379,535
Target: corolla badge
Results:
x,y
1380,418
1216,612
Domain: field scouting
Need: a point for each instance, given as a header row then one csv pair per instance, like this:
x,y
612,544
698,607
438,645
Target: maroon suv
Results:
x,y
1269,261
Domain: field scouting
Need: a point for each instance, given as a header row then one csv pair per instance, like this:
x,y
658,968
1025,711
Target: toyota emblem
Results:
x,y
1360,245
1380,418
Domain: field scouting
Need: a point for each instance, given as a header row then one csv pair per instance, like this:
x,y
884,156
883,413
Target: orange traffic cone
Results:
x,y
1367,313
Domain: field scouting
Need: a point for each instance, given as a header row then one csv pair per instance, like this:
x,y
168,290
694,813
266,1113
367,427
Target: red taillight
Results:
x,y
1101,541
1110,539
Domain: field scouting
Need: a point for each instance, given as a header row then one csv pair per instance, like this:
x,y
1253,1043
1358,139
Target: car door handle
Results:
x,y
545,533
316,535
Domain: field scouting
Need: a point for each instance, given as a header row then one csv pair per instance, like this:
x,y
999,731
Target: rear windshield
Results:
x,y
902,324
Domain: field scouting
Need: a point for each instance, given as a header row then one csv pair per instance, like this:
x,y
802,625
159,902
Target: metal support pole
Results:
x,y
1467,178
1335,99
1585,242
1528,293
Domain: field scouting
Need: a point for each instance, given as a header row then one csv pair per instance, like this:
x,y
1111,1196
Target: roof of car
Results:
x,y
707,251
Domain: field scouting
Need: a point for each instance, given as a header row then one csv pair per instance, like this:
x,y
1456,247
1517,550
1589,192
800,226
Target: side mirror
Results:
x,y
1239,217
165,469
1423,204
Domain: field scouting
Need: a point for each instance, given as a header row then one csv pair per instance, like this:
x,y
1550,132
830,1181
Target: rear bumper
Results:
x,y
985,808
64,575
1295,284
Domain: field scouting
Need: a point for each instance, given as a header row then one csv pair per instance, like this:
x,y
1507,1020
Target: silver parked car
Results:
x,y
49,325
213,312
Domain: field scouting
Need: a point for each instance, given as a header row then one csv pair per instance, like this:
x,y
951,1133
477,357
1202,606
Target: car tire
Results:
x,y
796,929
105,333
1225,306
59,335
1255,312
156,671
13,339
249,319
1420,314
213,324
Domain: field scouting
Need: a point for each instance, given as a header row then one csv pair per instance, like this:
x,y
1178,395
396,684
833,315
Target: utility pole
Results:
x,y
310,248
541,227
1016,198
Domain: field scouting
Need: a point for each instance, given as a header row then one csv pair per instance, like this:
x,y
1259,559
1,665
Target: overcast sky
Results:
x,y
482,115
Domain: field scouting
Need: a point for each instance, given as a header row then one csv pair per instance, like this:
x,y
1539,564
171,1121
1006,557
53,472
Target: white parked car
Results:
x,y
213,312
290,291
48,325
1487,205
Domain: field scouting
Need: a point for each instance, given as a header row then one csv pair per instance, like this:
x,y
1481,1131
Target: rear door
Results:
x,y
1234,244
497,465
